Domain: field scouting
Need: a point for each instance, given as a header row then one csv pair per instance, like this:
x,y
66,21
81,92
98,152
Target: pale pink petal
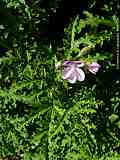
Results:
x,y
67,75
80,74
73,80
94,67
72,71
80,65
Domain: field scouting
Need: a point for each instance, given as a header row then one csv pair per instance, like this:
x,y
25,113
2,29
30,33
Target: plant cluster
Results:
x,y
42,116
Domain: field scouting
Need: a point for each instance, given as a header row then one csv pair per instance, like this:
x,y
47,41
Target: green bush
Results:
x,y
41,115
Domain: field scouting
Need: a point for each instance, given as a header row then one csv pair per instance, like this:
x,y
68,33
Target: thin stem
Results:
x,y
118,38
117,50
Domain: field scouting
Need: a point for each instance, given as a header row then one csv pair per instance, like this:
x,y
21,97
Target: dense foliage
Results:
x,y
43,116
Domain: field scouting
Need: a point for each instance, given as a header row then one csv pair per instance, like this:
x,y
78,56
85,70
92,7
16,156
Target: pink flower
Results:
x,y
94,67
72,71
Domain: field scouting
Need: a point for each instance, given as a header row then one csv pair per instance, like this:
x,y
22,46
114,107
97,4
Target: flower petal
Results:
x,y
80,74
94,67
68,73
81,65
67,63
73,80
72,71
72,63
